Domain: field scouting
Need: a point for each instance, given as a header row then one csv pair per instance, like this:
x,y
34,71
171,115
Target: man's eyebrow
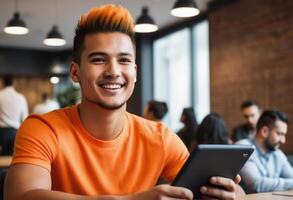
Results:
x,y
96,54
125,54
105,54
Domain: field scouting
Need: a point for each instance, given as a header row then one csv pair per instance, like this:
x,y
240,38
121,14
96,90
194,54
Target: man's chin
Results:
x,y
274,148
111,106
277,147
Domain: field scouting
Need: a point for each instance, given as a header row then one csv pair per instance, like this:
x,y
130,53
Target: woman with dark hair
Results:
x,y
188,132
212,130
155,110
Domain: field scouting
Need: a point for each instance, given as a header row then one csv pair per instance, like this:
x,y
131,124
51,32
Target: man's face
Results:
x,y
107,71
276,136
251,114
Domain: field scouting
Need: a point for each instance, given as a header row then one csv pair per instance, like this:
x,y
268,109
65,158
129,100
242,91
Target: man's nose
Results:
x,y
112,68
283,139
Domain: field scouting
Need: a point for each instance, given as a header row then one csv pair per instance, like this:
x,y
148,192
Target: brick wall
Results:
x,y
252,58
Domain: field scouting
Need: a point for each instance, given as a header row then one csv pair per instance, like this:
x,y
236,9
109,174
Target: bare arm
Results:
x,y
31,182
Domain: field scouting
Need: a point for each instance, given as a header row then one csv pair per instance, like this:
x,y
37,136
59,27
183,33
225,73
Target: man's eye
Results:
x,y
98,60
280,134
125,60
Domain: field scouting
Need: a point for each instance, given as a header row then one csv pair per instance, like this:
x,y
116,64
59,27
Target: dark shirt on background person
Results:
x,y
242,131
251,112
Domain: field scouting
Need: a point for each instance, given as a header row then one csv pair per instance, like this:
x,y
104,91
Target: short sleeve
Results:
x,y
175,155
35,143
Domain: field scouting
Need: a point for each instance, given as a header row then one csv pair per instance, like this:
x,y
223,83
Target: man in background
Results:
x,y
251,112
47,105
268,168
13,110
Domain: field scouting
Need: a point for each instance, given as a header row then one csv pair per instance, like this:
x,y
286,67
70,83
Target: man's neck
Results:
x,y
103,124
260,143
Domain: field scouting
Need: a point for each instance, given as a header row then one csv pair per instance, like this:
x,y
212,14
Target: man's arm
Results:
x,y
31,182
287,169
256,182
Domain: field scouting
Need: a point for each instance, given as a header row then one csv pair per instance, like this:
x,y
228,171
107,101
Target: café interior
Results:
x,y
229,52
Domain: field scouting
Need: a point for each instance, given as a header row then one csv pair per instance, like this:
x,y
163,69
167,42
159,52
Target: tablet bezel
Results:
x,y
227,161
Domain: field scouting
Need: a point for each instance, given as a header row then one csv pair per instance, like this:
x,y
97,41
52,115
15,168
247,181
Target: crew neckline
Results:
x,y
101,143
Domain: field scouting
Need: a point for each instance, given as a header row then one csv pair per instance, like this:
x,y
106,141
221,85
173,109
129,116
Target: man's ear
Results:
x,y
74,72
265,131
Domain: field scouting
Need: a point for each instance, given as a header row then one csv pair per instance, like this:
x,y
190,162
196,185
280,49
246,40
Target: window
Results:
x,y
181,72
201,72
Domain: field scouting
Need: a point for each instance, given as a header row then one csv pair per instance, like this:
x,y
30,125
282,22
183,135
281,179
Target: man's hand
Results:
x,y
164,192
232,189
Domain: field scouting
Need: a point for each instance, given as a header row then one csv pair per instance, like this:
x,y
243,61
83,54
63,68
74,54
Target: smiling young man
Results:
x,y
97,150
268,169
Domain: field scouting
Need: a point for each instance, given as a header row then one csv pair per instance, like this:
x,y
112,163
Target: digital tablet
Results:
x,y
212,160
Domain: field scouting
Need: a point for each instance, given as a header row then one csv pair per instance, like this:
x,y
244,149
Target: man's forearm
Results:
x,y
56,195
273,184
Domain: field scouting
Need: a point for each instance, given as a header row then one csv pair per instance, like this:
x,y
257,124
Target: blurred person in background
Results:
x,y
13,110
155,110
268,169
251,112
212,130
47,105
188,133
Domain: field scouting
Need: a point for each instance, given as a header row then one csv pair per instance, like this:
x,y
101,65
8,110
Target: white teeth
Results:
x,y
111,86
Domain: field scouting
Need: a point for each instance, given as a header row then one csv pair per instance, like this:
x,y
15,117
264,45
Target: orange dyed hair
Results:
x,y
106,18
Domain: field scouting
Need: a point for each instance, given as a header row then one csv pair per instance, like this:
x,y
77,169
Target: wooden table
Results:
x,y
5,161
284,195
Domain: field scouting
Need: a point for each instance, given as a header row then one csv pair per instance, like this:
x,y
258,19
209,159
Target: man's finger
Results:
x,y
227,183
237,179
177,192
218,193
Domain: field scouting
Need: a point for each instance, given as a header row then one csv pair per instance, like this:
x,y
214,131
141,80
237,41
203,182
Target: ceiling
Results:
x,y
40,15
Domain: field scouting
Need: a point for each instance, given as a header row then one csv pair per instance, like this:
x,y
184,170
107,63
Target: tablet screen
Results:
x,y
212,160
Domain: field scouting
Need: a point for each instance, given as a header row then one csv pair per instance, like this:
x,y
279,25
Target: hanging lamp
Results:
x,y
16,26
145,23
185,8
54,38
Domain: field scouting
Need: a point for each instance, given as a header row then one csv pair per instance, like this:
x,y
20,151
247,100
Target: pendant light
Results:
x,y
185,8
16,26
54,37
145,23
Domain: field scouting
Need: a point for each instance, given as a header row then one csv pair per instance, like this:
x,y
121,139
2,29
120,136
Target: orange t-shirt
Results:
x,y
81,164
